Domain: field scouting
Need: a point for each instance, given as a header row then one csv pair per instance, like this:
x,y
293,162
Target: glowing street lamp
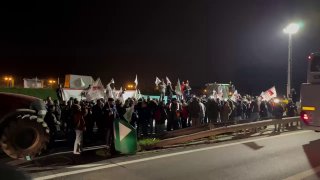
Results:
x,y
291,29
130,86
51,82
9,81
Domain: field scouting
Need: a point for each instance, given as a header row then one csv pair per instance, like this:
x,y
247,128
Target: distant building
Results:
x,y
32,83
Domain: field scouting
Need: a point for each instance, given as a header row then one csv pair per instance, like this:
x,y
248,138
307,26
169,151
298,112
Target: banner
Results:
x,y
32,83
269,94
74,93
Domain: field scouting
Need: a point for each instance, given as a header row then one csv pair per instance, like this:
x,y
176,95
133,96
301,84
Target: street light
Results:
x,y
9,81
290,30
51,82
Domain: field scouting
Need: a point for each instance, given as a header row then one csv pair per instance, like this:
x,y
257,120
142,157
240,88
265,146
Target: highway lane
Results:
x,y
294,155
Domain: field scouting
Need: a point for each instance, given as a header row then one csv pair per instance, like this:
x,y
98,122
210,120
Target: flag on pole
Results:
x,y
158,81
168,80
112,81
96,91
214,95
178,88
269,94
220,93
109,91
128,114
136,80
235,96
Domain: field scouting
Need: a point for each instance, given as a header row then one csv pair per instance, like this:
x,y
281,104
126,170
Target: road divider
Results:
x,y
198,133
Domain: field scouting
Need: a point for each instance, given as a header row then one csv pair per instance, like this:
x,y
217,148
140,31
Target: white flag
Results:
x,y
112,81
269,94
136,94
158,81
128,114
96,91
136,81
220,93
214,95
168,80
235,96
109,92
178,88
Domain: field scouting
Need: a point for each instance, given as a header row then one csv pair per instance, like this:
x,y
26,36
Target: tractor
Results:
x,y
23,132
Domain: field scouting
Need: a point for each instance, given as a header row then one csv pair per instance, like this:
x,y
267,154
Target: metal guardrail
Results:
x,y
184,131
221,130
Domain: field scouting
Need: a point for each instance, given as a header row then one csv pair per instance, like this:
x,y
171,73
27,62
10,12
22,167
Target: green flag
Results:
x,y
125,137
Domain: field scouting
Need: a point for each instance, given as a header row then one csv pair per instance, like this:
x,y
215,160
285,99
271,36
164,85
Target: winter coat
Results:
x,y
212,109
194,109
78,118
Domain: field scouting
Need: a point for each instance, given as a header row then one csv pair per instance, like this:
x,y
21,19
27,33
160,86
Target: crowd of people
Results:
x,y
152,117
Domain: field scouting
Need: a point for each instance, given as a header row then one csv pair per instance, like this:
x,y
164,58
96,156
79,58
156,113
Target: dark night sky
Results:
x,y
203,41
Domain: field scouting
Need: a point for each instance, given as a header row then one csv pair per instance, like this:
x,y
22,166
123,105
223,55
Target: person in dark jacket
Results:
x,y
79,125
239,110
144,115
160,116
98,118
185,120
225,112
277,113
110,114
57,110
52,122
194,109
174,114
255,110
263,110
212,111
291,110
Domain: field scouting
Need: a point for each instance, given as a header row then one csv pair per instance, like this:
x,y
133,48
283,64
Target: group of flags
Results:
x,y
97,90
264,96
177,88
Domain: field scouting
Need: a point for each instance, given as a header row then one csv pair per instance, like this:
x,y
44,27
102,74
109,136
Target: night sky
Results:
x,y
202,41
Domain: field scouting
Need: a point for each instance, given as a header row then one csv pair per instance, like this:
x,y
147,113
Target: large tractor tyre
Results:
x,y
25,136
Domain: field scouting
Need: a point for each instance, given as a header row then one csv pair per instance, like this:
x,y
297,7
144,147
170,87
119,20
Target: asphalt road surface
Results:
x,y
292,155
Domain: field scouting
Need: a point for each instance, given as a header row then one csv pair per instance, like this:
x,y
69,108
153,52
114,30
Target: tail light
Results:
x,y
305,117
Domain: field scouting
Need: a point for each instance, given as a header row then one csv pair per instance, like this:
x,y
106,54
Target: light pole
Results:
x,y
290,30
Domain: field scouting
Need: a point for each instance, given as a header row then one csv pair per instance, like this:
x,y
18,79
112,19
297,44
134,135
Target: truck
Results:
x,y
23,131
310,95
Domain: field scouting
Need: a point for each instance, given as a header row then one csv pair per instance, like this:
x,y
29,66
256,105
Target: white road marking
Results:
x,y
85,166
159,157
304,174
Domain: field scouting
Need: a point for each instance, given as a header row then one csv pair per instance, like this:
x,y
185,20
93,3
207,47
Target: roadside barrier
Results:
x,y
193,133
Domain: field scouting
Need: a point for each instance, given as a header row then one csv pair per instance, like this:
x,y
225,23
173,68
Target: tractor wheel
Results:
x,y
26,135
